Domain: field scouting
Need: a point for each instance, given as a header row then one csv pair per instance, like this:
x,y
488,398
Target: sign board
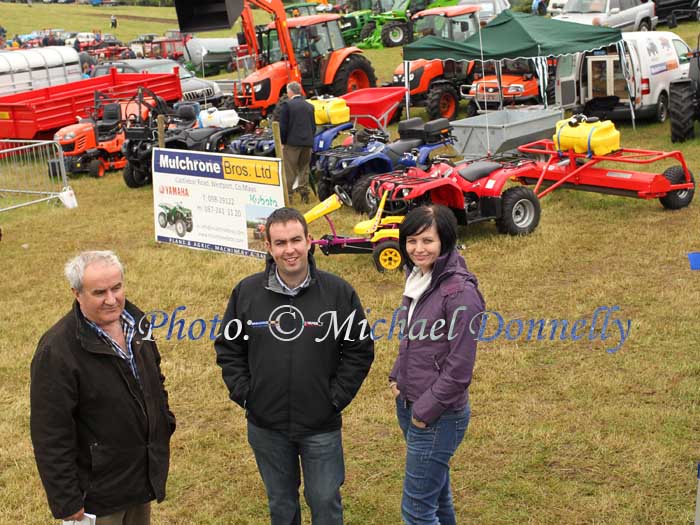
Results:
x,y
215,201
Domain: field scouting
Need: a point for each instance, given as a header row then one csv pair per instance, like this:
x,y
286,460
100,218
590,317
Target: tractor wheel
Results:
x,y
360,200
355,73
395,34
396,117
442,102
323,190
520,211
387,256
681,111
472,109
662,107
96,168
134,178
162,220
677,199
180,227
367,30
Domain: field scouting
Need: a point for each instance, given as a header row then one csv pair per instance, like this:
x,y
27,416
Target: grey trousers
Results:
x,y
296,165
137,515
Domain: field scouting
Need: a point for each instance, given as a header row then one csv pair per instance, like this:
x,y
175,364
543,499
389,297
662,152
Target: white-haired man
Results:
x,y
100,422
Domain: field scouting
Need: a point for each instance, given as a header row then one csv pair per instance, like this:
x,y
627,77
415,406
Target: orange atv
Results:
x,y
94,144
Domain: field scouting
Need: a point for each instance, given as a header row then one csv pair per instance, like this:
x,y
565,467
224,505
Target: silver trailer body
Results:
x,y
30,69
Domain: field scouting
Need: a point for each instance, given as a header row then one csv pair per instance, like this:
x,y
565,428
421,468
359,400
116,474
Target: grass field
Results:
x,y
562,432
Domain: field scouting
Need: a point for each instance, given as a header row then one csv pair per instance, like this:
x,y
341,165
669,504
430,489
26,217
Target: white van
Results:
x,y
594,83
29,69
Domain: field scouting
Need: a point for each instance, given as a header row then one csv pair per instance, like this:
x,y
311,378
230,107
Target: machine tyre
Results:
x,y
359,194
180,227
134,178
387,256
677,199
472,109
520,211
356,72
644,25
442,102
395,34
680,111
96,168
367,30
162,220
323,190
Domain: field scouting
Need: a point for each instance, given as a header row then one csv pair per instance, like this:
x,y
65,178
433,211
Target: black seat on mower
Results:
x,y
395,150
111,117
478,170
200,134
187,115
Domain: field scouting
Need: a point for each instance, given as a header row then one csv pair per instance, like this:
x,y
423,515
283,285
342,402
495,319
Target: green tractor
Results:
x,y
358,13
393,26
178,215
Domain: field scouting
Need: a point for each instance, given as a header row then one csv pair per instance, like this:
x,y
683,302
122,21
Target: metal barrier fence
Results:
x,y
31,171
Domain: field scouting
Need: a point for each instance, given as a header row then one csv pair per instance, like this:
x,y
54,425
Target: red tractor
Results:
x,y
307,49
435,83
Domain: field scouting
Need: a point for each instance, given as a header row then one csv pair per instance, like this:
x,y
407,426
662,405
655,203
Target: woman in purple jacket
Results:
x,y
431,376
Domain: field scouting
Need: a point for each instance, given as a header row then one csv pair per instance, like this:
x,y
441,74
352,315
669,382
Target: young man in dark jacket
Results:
x,y
100,422
293,355
297,130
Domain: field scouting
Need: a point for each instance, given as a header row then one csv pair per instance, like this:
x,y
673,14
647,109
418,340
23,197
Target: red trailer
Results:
x,y
39,113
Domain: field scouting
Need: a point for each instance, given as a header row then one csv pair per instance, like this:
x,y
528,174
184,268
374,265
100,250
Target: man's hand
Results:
x,y
77,516
394,389
417,423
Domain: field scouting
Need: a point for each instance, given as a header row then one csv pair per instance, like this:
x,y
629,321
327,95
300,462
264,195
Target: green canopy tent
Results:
x,y
513,35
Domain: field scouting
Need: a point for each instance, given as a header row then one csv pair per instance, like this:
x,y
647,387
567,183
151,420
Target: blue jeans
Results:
x,y
427,496
324,472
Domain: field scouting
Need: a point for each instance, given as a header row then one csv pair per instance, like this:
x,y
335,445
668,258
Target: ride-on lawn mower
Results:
x,y
94,145
378,236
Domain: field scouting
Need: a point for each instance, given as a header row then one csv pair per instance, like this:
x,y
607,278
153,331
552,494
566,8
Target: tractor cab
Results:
x,y
456,24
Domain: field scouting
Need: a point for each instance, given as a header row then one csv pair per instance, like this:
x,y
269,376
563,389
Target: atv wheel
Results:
x,y
395,34
520,211
387,256
134,178
677,199
682,117
355,73
367,30
662,108
442,102
360,198
323,190
180,227
162,220
96,168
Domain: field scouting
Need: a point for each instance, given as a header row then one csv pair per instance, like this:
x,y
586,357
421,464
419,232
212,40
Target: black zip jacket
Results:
x,y
298,386
297,122
100,440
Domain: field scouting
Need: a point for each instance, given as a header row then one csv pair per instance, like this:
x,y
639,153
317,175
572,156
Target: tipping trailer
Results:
x,y
39,113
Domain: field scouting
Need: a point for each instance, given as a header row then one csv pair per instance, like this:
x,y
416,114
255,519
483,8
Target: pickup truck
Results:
x,y
625,15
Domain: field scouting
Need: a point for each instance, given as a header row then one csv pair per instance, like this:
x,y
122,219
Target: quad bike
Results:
x,y
378,235
474,190
178,215
183,131
352,169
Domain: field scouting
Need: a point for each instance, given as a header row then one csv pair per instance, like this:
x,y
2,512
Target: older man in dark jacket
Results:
x,y
100,422
297,130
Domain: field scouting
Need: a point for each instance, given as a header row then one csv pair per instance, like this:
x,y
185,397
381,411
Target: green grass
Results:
x,y
561,432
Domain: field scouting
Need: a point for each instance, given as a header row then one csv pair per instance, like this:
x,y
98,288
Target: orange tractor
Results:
x,y
307,49
435,84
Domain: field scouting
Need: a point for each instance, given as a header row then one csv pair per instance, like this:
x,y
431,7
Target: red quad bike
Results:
x,y
474,189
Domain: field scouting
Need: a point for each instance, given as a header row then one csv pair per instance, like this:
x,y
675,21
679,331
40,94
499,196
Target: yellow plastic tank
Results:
x,y
598,138
333,110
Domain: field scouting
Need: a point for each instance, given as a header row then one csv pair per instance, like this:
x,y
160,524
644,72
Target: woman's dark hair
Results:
x,y
422,218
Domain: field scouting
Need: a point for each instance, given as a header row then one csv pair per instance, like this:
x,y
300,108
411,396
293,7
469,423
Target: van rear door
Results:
x,y
566,80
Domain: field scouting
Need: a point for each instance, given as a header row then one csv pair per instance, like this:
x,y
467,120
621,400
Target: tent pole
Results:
x,y
407,85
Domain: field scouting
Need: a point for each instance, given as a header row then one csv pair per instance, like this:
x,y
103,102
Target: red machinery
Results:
x,y
39,113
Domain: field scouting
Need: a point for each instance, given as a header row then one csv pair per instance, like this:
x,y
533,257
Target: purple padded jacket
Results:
x,y
434,371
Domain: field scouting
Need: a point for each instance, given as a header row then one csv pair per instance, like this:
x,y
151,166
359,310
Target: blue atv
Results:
x,y
261,143
352,167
